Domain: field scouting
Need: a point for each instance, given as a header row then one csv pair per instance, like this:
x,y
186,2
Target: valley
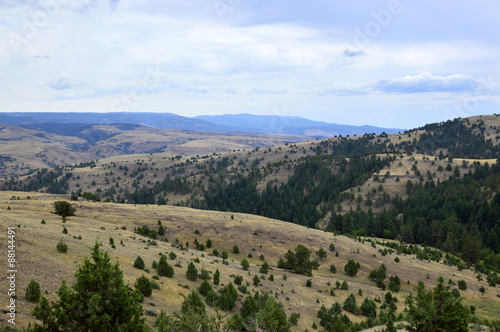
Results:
x,y
424,203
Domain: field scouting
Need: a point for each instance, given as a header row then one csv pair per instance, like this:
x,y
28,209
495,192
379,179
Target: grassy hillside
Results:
x,y
365,185
38,258
23,150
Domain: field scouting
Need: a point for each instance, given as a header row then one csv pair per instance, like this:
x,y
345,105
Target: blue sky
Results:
x,y
395,63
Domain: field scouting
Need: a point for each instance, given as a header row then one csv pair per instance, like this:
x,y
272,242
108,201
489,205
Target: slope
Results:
x,y
37,257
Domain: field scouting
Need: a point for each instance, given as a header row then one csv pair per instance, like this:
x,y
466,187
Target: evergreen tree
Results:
x,y
165,269
449,244
350,304
351,268
273,317
98,301
256,280
264,268
33,292
192,272
139,263
245,264
228,297
492,241
437,310
299,261
216,277
204,288
64,209
369,308
321,253
193,303
472,250
144,285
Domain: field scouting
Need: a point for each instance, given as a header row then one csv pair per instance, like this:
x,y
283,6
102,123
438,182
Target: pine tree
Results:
x,y
369,308
33,292
321,253
437,310
216,277
472,250
256,280
299,261
165,269
98,301
449,244
264,268
245,264
192,272
351,268
139,263
273,317
144,285
64,209
204,288
193,303
493,242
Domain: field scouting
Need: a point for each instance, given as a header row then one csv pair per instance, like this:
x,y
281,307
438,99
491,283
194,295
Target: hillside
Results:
x,y
23,149
38,258
430,187
374,179
416,155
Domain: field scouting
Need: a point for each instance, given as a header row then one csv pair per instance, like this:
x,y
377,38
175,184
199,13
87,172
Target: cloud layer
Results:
x,y
220,56
426,82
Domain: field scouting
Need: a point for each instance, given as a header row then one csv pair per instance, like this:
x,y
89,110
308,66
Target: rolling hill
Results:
x,y
429,196
24,149
38,258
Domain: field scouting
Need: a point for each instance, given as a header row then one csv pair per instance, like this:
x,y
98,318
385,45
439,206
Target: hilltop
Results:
x,y
38,258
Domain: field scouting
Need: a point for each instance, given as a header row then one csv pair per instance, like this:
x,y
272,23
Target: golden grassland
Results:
x,y
37,257
35,149
401,171
204,146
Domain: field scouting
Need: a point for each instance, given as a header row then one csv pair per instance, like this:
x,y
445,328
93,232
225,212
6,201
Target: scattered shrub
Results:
x,y
144,285
139,263
192,272
61,246
351,268
33,292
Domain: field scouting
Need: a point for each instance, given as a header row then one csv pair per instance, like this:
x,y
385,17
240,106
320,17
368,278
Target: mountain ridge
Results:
x,y
246,123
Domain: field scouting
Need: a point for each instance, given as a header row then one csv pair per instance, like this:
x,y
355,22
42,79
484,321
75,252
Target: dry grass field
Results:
x,y
37,257
402,170
142,156
34,149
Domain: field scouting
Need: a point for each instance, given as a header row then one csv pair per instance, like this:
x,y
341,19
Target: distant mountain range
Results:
x,y
292,125
246,123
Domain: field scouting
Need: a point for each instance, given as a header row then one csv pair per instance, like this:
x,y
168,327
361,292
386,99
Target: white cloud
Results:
x,y
63,83
427,82
348,53
91,52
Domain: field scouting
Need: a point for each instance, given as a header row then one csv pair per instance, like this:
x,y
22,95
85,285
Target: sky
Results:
x,y
391,63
